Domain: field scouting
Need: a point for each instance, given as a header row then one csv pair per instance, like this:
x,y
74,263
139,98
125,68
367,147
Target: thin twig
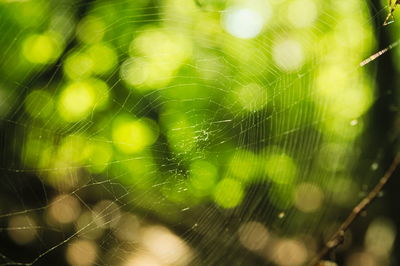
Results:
x,y
390,17
337,238
378,54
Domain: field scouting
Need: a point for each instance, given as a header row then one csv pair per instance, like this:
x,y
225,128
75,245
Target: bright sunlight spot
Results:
x,y
81,252
281,168
288,55
78,65
245,23
308,197
253,235
76,101
302,13
252,97
132,136
42,49
90,30
228,193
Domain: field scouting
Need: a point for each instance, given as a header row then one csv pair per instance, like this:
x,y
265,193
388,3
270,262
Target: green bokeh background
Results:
x,y
158,107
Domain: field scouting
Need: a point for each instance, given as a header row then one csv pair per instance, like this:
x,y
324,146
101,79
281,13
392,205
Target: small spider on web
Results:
x,y
392,4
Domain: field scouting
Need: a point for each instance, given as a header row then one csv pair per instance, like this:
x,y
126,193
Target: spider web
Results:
x,y
180,132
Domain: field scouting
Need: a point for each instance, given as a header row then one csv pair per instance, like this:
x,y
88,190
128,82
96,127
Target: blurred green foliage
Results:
x,y
192,104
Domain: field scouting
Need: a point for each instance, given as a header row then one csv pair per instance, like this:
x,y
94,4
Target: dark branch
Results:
x,y
337,238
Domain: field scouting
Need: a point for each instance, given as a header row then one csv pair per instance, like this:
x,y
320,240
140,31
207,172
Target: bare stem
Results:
x,y
379,53
337,238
